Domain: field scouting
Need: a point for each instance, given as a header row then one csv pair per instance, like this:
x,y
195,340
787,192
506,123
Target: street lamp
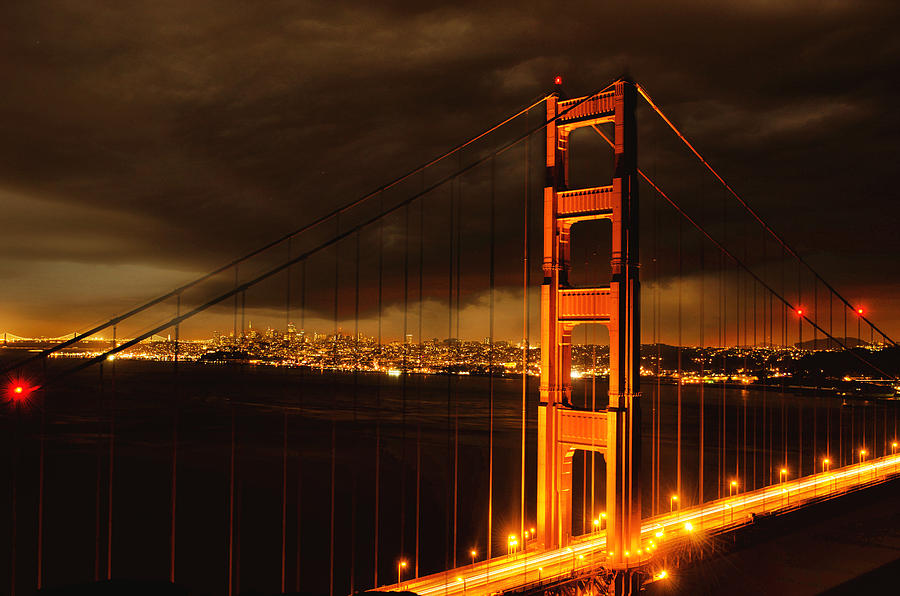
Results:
x,y
400,566
672,500
463,580
732,487
511,544
602,519
782,476
473,553
893,447
862,456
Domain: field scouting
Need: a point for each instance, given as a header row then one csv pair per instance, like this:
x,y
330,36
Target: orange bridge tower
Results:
x,y
563,429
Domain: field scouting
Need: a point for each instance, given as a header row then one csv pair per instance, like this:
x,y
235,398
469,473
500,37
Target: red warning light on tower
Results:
x,y
800,312
18,391
859,311
557,80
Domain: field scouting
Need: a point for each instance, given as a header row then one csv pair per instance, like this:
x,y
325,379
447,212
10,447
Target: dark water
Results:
x,y
345,427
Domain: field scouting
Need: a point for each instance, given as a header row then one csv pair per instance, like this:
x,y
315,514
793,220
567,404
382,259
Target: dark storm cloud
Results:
x,y
167,137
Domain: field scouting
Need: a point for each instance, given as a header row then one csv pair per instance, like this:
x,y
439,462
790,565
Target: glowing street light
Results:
x,y
400,567
732,488
862,456
463,580
672,500
782,476
511,544
473,553
825,463
893,447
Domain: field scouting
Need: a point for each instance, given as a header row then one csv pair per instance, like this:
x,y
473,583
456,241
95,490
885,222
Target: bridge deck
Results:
x,y
512,571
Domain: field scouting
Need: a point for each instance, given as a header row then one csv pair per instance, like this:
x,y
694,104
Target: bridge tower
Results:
x,y
563,429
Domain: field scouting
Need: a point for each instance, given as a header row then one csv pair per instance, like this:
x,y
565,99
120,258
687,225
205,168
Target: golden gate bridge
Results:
x,y
411,260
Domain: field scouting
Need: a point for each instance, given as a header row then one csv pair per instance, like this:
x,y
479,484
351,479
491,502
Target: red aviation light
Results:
x,y
18,391
859,311
557,80
799,312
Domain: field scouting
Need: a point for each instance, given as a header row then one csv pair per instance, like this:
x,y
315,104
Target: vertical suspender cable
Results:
x,y
700,483
98,478
526,221
378,390
299,556
335,363
40,520
112,461
231,508
680,371
173,497
491,364
419,380
356,354
451,441
403,381
454,376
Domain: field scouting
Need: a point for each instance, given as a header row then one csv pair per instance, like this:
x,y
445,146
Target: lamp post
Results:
x,y
400,566
782,476
862,457
672,500
473,553
732,488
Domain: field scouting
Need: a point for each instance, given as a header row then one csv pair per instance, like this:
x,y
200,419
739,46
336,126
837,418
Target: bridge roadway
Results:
x,y
510,572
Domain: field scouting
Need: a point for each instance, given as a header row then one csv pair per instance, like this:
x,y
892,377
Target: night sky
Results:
x,y
144,143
